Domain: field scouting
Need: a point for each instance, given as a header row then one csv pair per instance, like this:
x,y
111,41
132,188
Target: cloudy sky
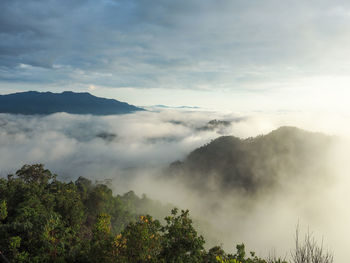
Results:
x,y
225,54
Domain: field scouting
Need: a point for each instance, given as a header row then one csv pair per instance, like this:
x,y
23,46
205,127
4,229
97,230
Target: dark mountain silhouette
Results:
x,y
33,102
214,125
256,163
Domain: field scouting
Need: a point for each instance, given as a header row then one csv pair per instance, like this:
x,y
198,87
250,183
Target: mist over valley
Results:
x,y
245,178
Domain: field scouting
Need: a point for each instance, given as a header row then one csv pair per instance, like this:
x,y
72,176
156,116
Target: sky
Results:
x,y
223,54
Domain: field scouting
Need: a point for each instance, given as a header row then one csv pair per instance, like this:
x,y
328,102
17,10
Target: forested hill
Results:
x,y
252,164
45,220
33,102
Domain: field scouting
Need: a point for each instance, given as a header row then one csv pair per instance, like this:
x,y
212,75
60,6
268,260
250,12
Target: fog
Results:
x,y
102,146
134,150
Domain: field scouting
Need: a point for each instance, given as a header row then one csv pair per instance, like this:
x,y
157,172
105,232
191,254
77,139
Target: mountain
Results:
x,y
33,102
254,164
215,125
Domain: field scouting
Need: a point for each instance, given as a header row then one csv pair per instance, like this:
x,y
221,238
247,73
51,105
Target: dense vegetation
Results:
x,y
45,220
256,163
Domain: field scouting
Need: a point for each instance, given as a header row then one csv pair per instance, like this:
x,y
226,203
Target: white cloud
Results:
x,y
133,149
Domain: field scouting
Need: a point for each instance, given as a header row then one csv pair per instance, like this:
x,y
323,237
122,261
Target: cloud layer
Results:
x,y
132,150
119,142
210,45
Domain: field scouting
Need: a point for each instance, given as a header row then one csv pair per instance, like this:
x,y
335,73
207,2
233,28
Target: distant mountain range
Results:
x,y
254,164
33,102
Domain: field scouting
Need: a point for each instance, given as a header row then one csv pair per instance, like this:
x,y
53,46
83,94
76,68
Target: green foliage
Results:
x,y
214,255
101,243
139,242
14,244
240,257
45,220
35,174
181,242
221,260
3,210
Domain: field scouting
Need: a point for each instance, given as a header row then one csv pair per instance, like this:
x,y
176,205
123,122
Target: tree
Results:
x,y
35,174
310,251
3,210
139,242
180,240
102,240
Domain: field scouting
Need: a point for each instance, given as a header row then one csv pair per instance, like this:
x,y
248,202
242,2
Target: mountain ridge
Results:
x,y
256,163
45,103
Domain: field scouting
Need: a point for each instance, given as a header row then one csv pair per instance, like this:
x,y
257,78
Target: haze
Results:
x,y
131,151
256,64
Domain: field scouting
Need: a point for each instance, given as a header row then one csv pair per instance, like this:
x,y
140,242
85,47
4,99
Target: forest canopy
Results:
x,y
43,219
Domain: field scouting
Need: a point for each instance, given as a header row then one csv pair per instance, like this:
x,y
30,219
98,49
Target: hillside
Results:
x,y
43,219
33,102
258,163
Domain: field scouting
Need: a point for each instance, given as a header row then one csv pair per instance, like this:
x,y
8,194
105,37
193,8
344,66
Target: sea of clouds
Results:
x,y
132,151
